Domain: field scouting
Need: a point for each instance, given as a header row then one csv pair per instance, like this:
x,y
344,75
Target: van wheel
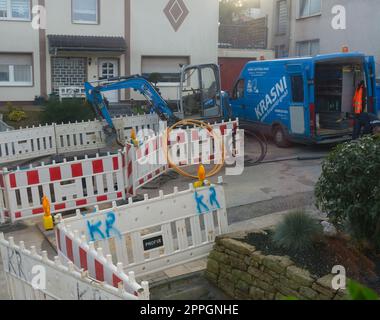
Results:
x,y
279,137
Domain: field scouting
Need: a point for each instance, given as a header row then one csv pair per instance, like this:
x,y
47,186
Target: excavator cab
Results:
x,y
200,92
200,96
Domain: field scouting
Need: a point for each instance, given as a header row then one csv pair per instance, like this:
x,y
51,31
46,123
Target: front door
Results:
x,y
108,69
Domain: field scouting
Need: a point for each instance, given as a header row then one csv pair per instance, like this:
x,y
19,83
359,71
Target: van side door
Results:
x,y
238,100
299,98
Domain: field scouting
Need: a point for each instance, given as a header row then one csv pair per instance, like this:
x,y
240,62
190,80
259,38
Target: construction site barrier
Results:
x,y
187,146
153,234
57,281
69,185
35,142
81,183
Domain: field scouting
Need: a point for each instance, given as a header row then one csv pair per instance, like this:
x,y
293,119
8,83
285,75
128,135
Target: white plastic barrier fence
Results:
x,y
77,137
27,143
73,248
4,213
192,146
185,146
30,143
158,233
31,276
68,185
76,184
145,162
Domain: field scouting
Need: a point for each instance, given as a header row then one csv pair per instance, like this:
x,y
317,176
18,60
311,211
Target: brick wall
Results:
x,y
68,71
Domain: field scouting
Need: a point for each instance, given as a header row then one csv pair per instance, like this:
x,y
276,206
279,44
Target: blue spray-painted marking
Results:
x,y
95,228
202,207
213,199
200,203
110,220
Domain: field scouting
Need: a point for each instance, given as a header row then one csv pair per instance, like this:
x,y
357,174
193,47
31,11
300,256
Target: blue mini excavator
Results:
x,y
200,96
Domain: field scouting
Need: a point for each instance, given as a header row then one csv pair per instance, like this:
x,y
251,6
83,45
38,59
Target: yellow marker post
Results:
x,y
134,138
202,177
47,219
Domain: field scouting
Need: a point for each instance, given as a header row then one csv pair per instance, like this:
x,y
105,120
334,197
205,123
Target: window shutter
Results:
x,y
282,17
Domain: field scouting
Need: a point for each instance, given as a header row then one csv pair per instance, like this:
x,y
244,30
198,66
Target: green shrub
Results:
x,y
297,231
349,189
68,110
16,115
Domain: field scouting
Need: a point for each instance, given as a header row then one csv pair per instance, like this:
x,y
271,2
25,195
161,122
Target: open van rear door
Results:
x,y
299,98
370,70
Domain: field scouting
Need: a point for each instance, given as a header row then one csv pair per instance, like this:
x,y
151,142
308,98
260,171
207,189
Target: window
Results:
x,y
297,88
239,90
15,10
309,8
307,48
85,11
16,70
163,69
281,51
282,17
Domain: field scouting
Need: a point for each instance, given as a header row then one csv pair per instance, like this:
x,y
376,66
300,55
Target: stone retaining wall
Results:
x,y
242,272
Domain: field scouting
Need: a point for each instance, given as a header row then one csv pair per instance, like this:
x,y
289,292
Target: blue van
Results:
x,y
303,100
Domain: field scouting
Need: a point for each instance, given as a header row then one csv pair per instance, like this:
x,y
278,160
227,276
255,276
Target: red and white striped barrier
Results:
x,y
68,186
73,248
147,160
4,211
57,281
76,184
193,146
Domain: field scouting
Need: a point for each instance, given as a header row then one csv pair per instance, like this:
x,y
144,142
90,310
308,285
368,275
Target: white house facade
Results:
x,y
84,40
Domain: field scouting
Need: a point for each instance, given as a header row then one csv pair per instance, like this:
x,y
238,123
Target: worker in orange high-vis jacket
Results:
x,y
359,99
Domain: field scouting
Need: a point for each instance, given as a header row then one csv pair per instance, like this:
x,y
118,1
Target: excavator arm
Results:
x,y
95,96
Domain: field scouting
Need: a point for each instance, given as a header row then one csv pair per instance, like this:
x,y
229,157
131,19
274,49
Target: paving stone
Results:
x,y
176,271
